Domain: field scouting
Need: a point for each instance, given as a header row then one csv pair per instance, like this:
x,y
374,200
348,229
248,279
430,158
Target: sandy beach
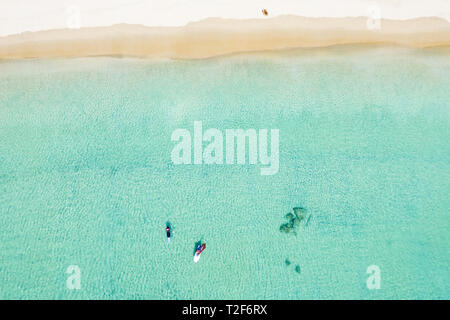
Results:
x,y
216,36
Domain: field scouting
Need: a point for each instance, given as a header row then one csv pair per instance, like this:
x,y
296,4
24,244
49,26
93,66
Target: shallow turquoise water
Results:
x,y
86,176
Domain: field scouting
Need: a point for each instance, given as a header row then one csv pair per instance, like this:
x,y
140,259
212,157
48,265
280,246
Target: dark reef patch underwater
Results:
x,y
290,227
294,220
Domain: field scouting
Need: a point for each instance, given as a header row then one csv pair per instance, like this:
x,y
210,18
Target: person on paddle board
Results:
x,y
200,248
198,252
168,233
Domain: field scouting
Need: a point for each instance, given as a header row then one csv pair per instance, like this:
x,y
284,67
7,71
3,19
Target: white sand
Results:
x,y
18,16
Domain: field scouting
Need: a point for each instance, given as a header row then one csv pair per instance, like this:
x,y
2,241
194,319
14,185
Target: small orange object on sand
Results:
x,y
265,12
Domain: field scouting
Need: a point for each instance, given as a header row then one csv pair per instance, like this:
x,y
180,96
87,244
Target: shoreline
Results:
x,y
218,37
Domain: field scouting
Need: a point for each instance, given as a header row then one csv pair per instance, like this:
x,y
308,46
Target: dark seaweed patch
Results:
x,y
297,269
294,220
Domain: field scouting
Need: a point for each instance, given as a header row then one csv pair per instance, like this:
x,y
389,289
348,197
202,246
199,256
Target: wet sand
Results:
x,y
216,36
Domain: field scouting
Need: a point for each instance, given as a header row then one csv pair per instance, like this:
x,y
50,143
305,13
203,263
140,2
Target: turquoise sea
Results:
x,y
86,176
